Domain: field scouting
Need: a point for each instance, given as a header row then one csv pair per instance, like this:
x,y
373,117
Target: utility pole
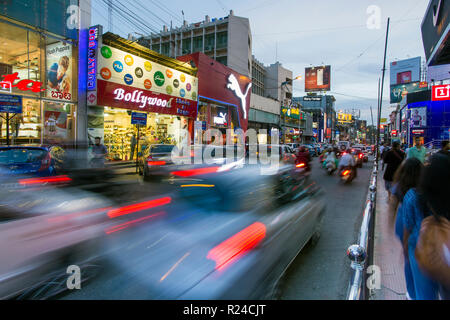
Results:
x,y
110,16
381,93
371,115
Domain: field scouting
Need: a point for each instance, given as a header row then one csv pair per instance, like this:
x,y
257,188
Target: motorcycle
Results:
x,y
347,174
330,167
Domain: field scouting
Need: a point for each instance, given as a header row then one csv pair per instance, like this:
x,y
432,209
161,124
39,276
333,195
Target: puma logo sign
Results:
x,y
233,85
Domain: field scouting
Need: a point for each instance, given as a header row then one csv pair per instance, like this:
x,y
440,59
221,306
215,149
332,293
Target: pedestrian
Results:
x,y
99,151
406,177
133,142
383,152
445,148
430,196
418,151
393,158
433,245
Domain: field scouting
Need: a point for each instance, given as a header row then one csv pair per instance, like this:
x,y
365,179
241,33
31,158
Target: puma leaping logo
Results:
x,y
233,85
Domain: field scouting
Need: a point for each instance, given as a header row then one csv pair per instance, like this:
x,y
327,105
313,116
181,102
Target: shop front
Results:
x,y
39,71
131,85
224,96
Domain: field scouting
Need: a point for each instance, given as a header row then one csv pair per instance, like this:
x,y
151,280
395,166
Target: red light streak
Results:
x,y
194,172
138,207
237,245
55,179
346,172
300,165
156,163
132,222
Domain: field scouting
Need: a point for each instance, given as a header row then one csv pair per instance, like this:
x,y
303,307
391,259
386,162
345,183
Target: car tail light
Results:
x,y
45,163
156,163
345,173
360,155
138,207
300,165
237,245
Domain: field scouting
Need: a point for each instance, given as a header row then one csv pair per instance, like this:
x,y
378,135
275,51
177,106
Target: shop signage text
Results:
x,y
138,97
10,103
139,118
440,93
92,58
221,119
22,85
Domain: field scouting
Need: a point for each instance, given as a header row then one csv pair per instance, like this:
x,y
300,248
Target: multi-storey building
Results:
x,y
227,40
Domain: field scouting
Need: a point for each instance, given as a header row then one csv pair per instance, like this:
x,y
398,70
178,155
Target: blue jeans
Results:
x,y
425,288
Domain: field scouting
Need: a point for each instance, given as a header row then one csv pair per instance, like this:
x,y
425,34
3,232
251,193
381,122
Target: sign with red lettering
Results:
x,y
440,93
122,96
23,84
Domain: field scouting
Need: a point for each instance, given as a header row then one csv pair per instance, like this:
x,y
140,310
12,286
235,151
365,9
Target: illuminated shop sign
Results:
x,y
7,84
221,119
92,58
440,93
233,85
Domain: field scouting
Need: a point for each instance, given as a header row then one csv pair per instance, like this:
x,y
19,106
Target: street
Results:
x,y
319,272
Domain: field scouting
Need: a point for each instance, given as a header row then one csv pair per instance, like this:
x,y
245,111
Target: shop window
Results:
x,y
59,122
202,114
25,127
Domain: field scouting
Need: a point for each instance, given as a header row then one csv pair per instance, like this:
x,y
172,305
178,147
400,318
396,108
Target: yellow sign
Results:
x,y
344,118
383,120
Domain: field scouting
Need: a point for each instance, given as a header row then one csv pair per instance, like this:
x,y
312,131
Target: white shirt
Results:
x,y
347,160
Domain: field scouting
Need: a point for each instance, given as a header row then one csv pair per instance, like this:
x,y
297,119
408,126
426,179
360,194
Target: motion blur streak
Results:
x,y
174,266
139,207
132,222
77,214
55,179
300,165
194,172
235,246
197,185
346,172
156,163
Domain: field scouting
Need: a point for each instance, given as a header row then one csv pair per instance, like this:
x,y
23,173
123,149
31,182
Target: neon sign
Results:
x,y
92,58
22,85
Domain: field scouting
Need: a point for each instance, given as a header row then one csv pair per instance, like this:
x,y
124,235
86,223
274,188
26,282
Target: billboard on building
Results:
x,y
418,117
401,90
435,27
405,71
59,70
344,118
318,78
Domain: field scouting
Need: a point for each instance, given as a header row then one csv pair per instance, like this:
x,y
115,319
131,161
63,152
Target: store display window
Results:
x,y
59,122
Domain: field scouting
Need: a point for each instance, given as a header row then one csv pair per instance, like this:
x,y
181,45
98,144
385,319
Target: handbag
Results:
x,y
433,249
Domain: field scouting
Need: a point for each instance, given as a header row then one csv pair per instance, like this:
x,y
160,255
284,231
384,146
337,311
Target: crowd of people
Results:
x,y
418,187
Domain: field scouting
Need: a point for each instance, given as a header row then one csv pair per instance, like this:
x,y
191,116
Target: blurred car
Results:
x,y
153,159
29,160
312,150
294,146
284,153
227,235
359,157
42,232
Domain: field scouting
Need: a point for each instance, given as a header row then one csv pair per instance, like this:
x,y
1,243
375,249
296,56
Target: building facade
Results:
x,y
227,40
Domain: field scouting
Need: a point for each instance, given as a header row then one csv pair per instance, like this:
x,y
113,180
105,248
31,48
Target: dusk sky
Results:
x,y
300,34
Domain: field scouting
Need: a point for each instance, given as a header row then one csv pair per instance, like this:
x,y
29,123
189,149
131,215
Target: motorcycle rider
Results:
x,y
347,160
330,157
303,156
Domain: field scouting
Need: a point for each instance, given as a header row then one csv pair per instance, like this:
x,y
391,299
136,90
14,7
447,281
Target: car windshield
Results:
x,y
21,155
162,149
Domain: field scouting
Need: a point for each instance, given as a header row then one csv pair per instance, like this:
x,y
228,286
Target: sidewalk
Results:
x,y
388,254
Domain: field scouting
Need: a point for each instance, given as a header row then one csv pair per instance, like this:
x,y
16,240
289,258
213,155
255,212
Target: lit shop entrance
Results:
x,y
120,136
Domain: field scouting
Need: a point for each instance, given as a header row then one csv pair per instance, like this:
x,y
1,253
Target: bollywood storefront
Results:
x,y
38,71
224,95
138,83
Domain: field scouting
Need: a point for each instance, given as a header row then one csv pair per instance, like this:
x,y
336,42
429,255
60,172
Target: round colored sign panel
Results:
x,y
148,66
128,78
139,72
106,52
105,73
128,60
183,78
182,93
118,66
147,84
159,78
169,73
169,89
176,83
188,87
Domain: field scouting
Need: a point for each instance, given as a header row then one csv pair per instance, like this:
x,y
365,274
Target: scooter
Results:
x,y
347,174
330,166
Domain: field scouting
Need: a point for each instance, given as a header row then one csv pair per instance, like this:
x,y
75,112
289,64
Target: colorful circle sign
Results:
x,y
188,87
118,66
176,83
159,78
169,89
183,78
128,60
106,52
194,95
139,72
182,93
148,66
128,78
147,84
169,73
105,73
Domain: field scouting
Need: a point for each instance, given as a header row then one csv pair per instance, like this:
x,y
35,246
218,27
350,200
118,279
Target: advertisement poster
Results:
x,y
59,70
95,124
125,69
418,117
55,124
398,92
405,71
318,79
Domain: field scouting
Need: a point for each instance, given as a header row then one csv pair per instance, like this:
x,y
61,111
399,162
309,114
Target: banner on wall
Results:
x,y
55,124
59,70
122,68
96,120
418,118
